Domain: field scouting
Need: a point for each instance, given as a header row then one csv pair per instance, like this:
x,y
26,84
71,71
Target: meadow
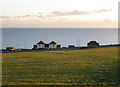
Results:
x,y
97,66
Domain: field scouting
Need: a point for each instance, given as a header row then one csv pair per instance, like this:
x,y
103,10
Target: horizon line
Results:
x,y
56,27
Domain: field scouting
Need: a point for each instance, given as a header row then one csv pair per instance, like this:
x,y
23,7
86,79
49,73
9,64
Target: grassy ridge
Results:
x,y
73,67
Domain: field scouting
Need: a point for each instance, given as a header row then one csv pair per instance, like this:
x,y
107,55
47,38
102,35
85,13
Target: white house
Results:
x,y
41,44
52,45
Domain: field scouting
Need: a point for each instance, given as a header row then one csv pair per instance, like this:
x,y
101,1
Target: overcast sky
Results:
x,y
59,13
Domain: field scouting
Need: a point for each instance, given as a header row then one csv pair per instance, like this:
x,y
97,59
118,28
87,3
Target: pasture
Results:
x,y
98,66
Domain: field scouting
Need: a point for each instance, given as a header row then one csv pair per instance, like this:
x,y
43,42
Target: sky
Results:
x,y
59,13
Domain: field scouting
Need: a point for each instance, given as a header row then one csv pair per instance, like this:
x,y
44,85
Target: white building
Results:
x,y
40,44
52,45
43,45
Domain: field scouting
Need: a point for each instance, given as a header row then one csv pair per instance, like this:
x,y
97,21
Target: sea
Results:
x,y
27,37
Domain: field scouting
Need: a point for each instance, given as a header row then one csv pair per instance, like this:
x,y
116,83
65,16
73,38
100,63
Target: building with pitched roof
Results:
x,y
52,45
43,45
93,44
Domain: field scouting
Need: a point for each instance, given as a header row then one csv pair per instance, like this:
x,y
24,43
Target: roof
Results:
x,y
41,42
52,42
93,42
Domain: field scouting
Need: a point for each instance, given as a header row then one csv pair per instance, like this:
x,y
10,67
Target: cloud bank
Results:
x,y
61,19
77,12
59,13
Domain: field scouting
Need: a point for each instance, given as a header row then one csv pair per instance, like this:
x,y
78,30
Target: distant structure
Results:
x,y
93,44
58,46
71,46
10,48
53,45
43,45
35,46
46,46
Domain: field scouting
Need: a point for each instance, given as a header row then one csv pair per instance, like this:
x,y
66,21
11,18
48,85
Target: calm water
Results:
x,y
26,38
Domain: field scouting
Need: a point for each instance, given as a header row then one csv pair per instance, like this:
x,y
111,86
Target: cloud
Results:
x,y
20,17
26,16
102,10
40,14
4,16
77,12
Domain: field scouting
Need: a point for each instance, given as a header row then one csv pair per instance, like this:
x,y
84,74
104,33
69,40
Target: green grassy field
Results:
x,y
74,67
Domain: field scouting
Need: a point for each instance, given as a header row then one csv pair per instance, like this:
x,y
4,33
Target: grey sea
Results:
x,y
27,37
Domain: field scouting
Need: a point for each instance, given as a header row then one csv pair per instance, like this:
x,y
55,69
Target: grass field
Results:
x,y
73,67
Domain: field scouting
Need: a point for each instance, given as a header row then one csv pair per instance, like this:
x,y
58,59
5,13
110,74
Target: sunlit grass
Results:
x,y
73,67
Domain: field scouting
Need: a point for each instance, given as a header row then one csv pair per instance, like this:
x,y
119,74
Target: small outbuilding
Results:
x,y
93,44
71,46
35,47
58,46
